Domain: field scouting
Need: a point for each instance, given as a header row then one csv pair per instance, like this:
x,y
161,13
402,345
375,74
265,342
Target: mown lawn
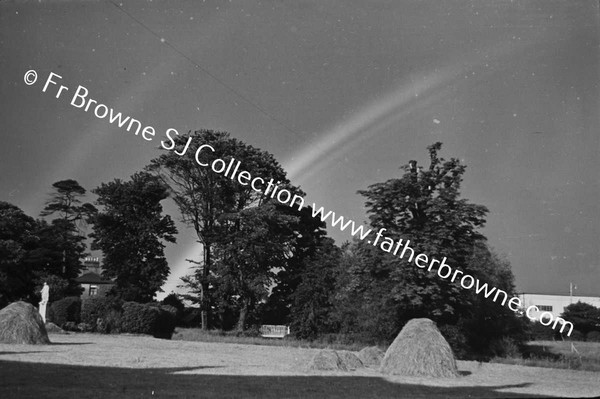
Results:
x,y
329,342
558,354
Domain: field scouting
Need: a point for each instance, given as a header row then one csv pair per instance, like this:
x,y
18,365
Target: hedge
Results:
x,y
65,310
94,309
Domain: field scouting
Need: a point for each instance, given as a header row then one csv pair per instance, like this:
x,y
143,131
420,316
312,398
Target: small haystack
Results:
x,y
52,328
371,356
20,323
420,350
327,360
350,360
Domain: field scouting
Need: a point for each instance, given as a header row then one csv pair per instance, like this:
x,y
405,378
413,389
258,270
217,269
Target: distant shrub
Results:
x,y
138,318
505,347
539,332
192,317
576,335
72,326
110,322
167,319
95,308
173,300
593,336
65,310
152,319
456,339
252,331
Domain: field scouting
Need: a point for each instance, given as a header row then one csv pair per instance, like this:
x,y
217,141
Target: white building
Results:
x,y
554,304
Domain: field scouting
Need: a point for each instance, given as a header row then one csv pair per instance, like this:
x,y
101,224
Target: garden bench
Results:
x,y
272,331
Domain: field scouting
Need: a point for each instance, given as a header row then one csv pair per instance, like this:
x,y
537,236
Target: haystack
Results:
x,y
371,356
420,350
52,328
20,323
327,360
350,360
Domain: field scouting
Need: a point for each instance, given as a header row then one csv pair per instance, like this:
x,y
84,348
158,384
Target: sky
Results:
x,y
342,93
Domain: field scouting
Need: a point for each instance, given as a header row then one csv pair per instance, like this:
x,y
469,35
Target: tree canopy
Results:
x,y
221,212
130,230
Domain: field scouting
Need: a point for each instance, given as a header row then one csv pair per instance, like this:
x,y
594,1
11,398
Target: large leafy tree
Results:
x,y
423,206
255,245
310,236
313,298
217,209
130,231
17,238
70,216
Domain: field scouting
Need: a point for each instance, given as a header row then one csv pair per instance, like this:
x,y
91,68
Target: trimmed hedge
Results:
x,y
107,315
65,310
94,309
152,319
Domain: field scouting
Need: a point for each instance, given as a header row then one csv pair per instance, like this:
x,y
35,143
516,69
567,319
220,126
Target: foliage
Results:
x,y
98,307
379,292
254,243
538,332
173,300
17,239
63,246
130,231
312,304
593,336
310,237
217,207
191,318
147,318
65,310
138,318
584,316
457,340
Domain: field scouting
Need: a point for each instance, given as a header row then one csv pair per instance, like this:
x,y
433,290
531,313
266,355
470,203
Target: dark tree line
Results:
x,y
263,262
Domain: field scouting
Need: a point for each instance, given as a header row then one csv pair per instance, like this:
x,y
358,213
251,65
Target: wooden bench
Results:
x,y
272,331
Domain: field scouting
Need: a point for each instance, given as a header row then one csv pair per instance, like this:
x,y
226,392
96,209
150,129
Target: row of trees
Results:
x,y
263,262
129,229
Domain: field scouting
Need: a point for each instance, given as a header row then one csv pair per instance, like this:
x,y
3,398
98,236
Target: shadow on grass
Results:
x,y
38,380
71,343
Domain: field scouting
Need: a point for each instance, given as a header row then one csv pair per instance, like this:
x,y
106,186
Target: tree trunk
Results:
x,y
241,325
204,292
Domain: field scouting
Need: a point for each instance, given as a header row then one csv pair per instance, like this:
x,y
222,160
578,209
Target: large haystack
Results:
x,y
327,360
371,356
420,350
20,323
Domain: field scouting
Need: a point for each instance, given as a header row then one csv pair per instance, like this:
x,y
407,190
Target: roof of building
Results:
x,y
92,278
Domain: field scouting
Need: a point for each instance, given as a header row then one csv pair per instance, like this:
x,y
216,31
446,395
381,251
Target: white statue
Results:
x,y
45,294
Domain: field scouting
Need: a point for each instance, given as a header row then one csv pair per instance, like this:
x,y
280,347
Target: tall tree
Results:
x,y
310,236
210,202
17,239
70,216
249,253
313,297
130,231
423,206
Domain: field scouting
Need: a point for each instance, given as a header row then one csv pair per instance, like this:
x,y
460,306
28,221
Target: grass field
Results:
x,y
123,366
198,335
552,354
559,354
